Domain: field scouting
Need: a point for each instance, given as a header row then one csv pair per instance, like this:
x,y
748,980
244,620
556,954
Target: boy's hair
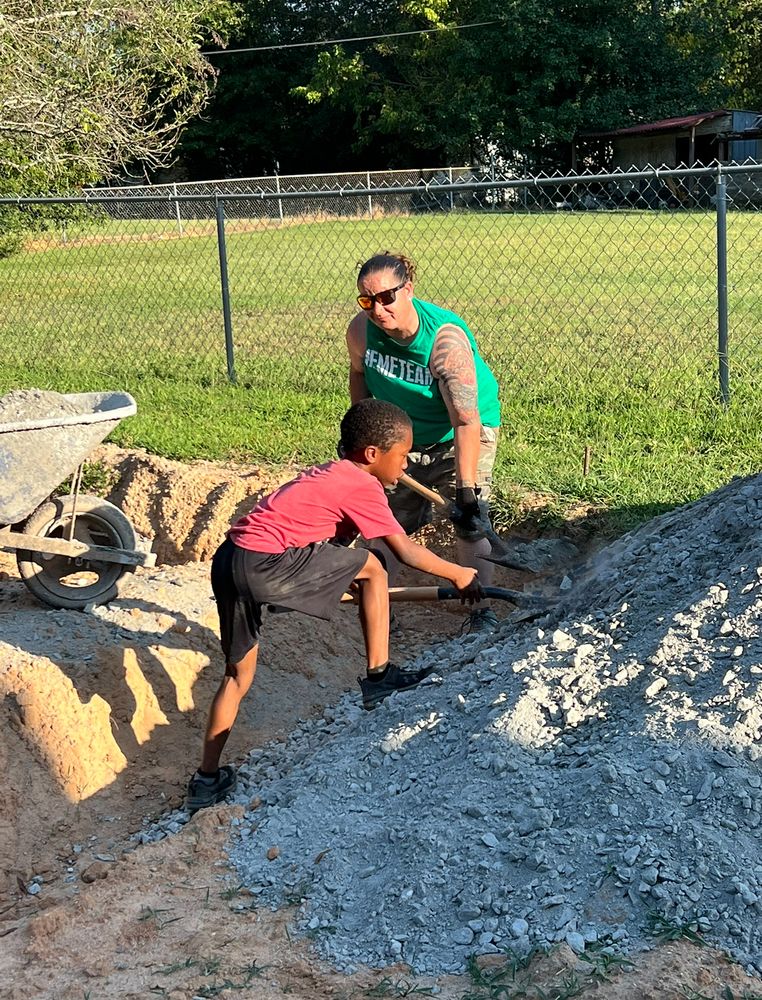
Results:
x,y
372,422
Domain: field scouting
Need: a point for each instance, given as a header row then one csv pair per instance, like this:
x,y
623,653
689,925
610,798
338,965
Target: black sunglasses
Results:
x,y
385,298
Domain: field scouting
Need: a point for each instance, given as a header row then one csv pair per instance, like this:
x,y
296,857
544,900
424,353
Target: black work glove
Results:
x,y
466,514
473,592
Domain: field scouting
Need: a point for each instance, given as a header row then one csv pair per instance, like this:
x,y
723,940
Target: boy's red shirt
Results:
x,y
335,500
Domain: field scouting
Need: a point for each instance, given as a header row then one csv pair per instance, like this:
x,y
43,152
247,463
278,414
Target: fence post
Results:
x,y
370,196
722,284
452,199
177,211
280,200
219,206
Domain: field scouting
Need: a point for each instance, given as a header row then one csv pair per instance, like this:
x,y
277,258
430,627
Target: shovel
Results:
x,y
501,553
516,597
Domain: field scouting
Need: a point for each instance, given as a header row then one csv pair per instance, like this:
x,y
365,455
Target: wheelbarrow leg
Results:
x,y
76,484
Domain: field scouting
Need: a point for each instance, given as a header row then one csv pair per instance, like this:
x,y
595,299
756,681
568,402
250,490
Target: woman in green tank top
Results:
x,y
425,359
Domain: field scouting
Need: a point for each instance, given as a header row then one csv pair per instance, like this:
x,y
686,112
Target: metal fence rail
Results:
x,y
647,279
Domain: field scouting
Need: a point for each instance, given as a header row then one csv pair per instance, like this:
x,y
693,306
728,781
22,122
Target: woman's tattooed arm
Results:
x,y
452,365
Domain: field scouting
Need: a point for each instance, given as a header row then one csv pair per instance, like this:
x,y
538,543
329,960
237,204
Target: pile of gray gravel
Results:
x,y
575,779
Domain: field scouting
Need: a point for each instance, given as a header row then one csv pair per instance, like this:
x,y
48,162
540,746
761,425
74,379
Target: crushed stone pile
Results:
x,y
584,778
26,404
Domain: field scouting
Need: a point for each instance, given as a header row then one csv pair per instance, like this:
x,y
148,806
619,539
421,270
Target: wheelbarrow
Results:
x,y
73,550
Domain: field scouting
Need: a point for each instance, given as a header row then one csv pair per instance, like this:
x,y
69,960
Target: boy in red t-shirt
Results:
x,y
291,552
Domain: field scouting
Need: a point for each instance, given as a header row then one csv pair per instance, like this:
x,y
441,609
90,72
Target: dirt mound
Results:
x,y
186,509
101,715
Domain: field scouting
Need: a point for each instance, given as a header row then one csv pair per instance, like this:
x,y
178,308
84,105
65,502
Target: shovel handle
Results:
x,y
405,594
448,594
424,491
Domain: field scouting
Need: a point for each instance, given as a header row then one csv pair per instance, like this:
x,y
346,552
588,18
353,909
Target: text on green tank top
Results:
x,y
400,374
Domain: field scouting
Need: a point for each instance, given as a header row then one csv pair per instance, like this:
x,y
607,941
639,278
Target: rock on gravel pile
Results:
x,y
579,779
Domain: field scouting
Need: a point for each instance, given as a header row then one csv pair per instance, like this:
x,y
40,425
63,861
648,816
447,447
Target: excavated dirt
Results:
x,y
186,509
100,725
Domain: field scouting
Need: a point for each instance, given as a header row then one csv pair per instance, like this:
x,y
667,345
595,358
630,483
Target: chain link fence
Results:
x,y
643,282
300,196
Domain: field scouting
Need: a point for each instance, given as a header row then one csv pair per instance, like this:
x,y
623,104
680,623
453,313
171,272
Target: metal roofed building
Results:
x,y
684,141
724,136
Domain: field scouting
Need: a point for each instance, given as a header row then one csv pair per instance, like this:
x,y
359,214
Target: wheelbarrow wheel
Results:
x,y
65,582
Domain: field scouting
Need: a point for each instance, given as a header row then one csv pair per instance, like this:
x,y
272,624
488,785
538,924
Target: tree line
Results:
x,y
97,89
521,86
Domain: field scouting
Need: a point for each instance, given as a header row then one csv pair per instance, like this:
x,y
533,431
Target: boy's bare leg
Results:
x,y
224,709
374,611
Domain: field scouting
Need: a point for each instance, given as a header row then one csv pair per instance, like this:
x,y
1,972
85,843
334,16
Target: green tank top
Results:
x,y
401,375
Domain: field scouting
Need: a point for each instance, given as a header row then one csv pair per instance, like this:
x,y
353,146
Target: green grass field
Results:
x,y
601,328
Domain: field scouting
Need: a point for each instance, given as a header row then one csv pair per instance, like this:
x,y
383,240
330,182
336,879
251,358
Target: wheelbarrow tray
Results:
x,y
38,453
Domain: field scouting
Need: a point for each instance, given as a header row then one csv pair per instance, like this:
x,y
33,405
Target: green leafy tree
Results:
x,y
256,118
414,99
94,87
743,56
527,83
594,64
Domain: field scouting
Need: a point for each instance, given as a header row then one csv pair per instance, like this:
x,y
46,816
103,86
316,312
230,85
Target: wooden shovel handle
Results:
x,y
516,597
424,491
405,594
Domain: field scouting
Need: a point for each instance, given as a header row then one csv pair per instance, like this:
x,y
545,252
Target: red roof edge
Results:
x,y
665,125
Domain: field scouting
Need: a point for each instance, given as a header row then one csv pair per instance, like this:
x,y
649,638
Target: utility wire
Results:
x,y
338,41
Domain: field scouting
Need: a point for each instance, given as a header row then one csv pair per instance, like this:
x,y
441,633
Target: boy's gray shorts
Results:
x,y
310,579
435,467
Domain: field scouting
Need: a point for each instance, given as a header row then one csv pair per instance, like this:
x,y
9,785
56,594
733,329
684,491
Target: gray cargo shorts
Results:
x,y
435,467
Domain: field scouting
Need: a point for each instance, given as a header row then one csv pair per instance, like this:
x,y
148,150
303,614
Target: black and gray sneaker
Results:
x,y
393,679
480,620
203,791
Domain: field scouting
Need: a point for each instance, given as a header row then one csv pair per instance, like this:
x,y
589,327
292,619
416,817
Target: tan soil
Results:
x,y
186,509
100,725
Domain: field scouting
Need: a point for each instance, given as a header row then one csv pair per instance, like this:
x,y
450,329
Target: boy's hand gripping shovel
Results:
x,y
528,601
